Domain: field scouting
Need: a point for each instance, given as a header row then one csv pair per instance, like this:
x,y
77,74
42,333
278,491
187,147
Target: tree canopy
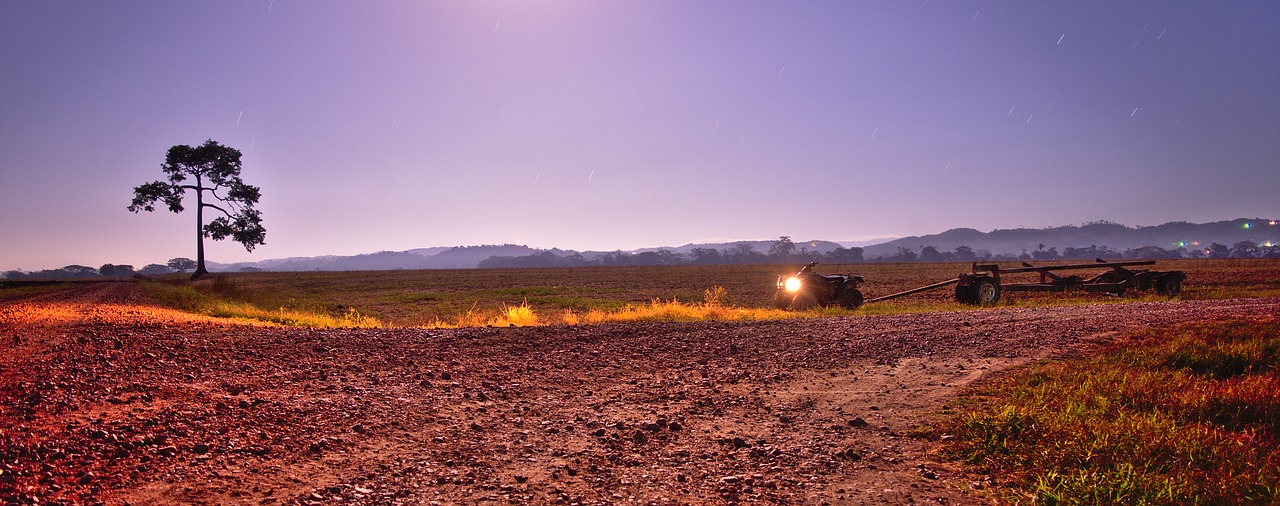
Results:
x,y
212,171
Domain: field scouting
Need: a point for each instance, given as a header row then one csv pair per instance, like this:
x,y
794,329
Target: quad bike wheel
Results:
x,y
782,300
804,301
852,299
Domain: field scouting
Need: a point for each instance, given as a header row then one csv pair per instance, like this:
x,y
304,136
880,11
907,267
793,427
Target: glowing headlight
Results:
x,y
793,284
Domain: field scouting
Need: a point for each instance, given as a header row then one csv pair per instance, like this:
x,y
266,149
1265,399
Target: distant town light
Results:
x,y
1273,223
1195,243
1246,225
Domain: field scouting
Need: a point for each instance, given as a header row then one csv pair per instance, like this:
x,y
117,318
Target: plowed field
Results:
x,y
107,398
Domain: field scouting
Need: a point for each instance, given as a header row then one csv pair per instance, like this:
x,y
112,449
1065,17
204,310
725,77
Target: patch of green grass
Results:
x,y
222,297
1179,415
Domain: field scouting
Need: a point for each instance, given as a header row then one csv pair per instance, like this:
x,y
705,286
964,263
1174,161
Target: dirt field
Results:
x,y
105,398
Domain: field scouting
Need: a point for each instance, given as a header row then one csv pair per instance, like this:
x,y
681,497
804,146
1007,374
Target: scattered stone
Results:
x,y
62,424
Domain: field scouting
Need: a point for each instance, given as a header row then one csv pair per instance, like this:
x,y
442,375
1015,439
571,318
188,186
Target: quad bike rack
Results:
x,y
984,286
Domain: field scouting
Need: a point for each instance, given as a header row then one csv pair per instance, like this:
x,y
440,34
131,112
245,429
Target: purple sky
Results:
x,y
393,125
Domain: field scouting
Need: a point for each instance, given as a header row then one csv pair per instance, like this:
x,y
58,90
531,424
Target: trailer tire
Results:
x,y
852,299
986,291
1169,284
965,295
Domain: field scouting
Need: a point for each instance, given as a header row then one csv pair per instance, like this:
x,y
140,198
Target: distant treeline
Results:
x,y
782,251
785,251
107,270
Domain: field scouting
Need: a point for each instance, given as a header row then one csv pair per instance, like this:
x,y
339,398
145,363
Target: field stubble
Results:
x,y
479,297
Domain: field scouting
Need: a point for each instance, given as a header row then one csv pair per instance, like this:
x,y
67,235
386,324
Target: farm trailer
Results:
x,y
984,285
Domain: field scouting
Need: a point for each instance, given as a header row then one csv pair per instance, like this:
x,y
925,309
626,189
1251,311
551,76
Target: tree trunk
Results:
x,y
200,270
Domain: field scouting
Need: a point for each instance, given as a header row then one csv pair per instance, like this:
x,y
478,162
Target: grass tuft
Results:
x,y
1184,414
515,316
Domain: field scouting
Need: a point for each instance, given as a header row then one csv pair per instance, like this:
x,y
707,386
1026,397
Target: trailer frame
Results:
x,y
984,284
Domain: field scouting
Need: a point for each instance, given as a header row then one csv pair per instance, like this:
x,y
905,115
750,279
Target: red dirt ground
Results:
x,y
105,398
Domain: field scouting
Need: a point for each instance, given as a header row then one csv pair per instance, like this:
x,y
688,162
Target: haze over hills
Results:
x,y
1169,236
1190,239
1244,238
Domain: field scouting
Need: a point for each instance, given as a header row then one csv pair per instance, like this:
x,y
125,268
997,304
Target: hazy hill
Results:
x,y
759,246
462,257
1114,236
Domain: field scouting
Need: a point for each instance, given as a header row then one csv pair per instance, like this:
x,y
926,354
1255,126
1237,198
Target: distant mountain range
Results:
x,y
1190,237
1170,236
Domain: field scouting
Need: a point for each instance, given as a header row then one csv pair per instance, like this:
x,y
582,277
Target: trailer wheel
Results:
x,y
804,301
965,295
852,299
1169,285
986,290
1116,277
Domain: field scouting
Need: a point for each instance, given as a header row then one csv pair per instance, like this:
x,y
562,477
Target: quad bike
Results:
x,y
807,290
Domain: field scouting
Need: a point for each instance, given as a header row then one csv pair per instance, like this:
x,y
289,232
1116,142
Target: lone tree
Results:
x,y
214,171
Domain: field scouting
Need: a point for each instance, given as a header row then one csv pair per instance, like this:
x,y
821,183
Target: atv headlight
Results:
x,y
792,284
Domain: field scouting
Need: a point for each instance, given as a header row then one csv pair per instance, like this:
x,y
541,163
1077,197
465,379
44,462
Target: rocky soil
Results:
x,y
105,398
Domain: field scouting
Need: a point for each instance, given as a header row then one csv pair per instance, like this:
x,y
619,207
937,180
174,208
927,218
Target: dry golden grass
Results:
x,y
585,295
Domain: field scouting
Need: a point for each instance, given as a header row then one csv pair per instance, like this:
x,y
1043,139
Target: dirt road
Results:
x,y
106,398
